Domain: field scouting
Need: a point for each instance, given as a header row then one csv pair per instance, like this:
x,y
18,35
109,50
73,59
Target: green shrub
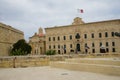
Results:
x,y
21,48
51,52
17,52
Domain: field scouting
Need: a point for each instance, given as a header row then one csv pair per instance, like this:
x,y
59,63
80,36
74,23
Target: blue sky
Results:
x,y
29,15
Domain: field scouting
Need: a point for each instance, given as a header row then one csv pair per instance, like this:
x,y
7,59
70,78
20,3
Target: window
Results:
x,y
113,49
112,34
77,36
93,50
58,38
64,37
100,44
100,35
85,36
70,37
54,46
107,50
53,38
106,34
58,46
113,43
85,44
64,46
92,35
49,39
93,45
107,44
70,45
58,51
49,46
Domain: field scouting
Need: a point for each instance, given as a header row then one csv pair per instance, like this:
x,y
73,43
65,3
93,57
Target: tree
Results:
x,y
21,48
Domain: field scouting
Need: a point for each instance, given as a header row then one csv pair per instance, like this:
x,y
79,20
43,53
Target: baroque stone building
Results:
x,y
38,43
81,37
8,36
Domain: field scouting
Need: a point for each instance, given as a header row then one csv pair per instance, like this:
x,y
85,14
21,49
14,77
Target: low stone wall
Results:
x,y
43,60
29,61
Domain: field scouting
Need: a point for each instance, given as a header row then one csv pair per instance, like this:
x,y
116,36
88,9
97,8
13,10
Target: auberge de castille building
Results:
x,y
79,37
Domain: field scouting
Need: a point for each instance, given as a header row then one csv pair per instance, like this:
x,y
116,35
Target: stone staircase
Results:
x,y
109,66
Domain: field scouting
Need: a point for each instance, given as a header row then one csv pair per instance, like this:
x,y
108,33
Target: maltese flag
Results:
x,y
80,11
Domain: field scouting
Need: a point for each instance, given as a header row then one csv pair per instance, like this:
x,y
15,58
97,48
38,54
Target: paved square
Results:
x,y
48,73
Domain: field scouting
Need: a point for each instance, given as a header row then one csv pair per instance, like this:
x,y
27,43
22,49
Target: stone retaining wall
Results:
x,y
29,61
43,60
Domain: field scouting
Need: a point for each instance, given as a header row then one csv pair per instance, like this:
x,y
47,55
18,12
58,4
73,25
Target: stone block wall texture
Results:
x,y
8,36
43,60
64,36
29,61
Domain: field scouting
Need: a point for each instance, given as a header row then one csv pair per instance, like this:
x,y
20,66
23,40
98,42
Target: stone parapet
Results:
x,y
43,60
29,61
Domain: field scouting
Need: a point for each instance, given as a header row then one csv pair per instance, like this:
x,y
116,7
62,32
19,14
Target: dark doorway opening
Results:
x,y
78,47
58,51
102,50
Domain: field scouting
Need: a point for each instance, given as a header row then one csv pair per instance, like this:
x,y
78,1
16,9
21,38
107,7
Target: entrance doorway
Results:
x,y
77,47
41,50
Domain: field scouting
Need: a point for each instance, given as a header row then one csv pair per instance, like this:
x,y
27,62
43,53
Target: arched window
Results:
x,y
85,36
64,37
92,35
106,34
70,37
58,38
112,34
100,35
53,38
58,46
77,36
49,38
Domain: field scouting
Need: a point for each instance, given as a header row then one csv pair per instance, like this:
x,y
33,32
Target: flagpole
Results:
x,y
80,12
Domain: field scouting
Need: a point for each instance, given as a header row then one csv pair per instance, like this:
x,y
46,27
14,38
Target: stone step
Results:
x,y
96,68
103,61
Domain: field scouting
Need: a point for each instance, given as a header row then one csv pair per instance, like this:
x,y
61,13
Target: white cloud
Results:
x,y
31,14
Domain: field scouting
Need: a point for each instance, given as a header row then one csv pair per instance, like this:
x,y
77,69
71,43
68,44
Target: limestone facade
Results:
x,y
81,37
8,36
38,43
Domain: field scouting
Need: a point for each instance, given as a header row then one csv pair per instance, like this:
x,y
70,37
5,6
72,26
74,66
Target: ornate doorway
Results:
x,y
77,47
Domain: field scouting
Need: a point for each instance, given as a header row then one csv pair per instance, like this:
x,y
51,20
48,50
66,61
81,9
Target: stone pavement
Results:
x,y
48,73
107,66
